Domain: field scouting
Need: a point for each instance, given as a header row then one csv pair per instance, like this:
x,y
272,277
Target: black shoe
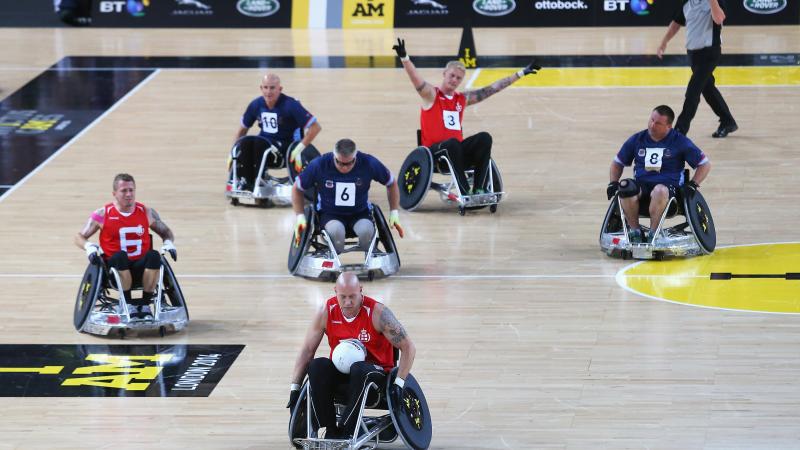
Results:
x,y
725,130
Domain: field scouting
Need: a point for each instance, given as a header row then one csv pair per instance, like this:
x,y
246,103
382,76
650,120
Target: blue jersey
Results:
x,y
343,193
281,124
660,162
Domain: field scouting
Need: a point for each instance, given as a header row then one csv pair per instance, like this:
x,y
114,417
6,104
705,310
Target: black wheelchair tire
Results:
x,y
309,154
419,439
414,178
296,252
88,292
698,215
384,232
612,214
297,419
172,289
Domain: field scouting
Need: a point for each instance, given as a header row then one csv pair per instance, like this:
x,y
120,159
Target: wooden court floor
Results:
x,y
524,338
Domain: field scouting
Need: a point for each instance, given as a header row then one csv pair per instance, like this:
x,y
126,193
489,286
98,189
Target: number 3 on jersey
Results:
x,y
653,158
345,194
451,121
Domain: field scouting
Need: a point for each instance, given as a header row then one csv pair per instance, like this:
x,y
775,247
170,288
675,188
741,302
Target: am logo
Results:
x,y
368,9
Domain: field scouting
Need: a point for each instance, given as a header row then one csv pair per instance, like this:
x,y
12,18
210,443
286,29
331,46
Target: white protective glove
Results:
x,y
170,247
295,158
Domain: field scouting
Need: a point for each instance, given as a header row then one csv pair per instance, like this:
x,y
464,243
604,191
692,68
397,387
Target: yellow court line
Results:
x,y
643,76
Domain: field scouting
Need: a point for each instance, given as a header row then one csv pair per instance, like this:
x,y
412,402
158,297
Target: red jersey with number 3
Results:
x,y
442,120
379,349
129,233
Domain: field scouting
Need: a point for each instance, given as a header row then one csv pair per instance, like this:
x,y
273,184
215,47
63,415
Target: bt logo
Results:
x,y
134,7
639,7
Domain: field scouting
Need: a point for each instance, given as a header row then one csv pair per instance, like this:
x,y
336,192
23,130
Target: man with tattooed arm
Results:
x,y
350,315
125,245
443,112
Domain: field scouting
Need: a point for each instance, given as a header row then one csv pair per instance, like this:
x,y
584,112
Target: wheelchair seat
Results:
x,y
410,420
316,257
101,309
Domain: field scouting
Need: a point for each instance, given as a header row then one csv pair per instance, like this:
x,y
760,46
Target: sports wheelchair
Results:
x,y
101,307
416,178
695,236
411,419
316,257
248,178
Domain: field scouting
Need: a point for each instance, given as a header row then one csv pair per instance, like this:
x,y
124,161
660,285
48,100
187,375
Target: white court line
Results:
x,y
472,78
78,136
443,276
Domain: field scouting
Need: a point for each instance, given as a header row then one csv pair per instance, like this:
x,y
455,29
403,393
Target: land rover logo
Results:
x,y
494,7
764,6
258,8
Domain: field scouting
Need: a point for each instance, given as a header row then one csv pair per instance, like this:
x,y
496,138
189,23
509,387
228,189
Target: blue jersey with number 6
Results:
x,y
343,193
660,162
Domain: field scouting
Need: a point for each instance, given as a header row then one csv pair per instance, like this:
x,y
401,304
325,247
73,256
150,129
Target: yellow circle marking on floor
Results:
x,y
759,277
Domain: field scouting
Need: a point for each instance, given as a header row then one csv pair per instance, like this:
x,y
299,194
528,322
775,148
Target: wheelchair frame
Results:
x,y
449,192
317,258
269,191
101,314
672,241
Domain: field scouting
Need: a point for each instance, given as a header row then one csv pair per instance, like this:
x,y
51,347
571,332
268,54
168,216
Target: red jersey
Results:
x,y
442,120
379,349
130,233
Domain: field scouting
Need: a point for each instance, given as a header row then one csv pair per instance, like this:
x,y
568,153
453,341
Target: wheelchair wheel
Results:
x,y
297,252
415,177
612,223
412,418
497,181
88,292
298,423
698,215
384,232
173,294
309,154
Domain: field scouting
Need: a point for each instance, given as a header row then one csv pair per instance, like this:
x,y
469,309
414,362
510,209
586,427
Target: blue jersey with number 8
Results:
x,y
660,162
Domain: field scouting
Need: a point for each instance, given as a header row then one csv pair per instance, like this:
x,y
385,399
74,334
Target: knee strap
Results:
x,y
628,188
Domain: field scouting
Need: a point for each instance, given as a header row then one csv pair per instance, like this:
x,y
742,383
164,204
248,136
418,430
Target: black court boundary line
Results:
x,y
389,61
729,276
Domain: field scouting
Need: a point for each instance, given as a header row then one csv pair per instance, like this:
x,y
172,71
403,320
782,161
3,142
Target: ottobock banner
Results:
x,y
579,13
193,13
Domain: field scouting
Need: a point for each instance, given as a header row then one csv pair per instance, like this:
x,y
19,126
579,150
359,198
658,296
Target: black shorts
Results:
x,y
647,188
347,219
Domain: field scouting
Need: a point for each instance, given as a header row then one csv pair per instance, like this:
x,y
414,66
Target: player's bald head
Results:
x,y
347,281
271,78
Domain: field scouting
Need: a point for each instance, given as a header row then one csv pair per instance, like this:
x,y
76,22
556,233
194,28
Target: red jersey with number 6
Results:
x,y
442,120
129,233
338,328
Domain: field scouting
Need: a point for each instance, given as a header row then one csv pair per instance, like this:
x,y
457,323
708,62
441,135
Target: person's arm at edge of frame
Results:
x,y
390,327
672,30
313,337
717,14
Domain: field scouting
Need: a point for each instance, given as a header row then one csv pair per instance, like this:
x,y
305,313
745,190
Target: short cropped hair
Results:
x,y
122,177
344,147
665,110
455,63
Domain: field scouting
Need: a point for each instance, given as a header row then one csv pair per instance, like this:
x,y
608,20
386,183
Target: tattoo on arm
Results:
x,y
160,227
421,86
392,327
486,92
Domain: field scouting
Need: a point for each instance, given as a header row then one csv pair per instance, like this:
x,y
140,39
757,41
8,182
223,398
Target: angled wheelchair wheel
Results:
x,y
172,291
698,215
298,423
613,221
384,232
497,180
297,252
308,154
412,418
88,292
415,177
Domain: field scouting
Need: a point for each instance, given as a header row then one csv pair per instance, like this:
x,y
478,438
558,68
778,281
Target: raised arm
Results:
x,y
388,325
479,95
424,89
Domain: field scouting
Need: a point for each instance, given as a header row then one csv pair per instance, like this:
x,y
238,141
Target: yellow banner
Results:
x,y
368,14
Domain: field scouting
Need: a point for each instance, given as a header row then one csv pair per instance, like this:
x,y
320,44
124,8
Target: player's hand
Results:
x,y
660,51
400,48
169,247
296,157
612,189
533,67
299,228
93,252
294,395
691,187
394,221
396,391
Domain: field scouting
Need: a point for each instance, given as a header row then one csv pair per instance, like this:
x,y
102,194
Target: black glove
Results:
x,y
691,187
396,392
400,48
612,189
294,395
533,67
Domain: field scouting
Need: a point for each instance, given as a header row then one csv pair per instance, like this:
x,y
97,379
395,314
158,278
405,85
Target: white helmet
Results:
x,y
348,351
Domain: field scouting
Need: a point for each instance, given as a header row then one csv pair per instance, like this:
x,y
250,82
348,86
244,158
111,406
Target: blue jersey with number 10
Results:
x,y
278,125
660,162
343,193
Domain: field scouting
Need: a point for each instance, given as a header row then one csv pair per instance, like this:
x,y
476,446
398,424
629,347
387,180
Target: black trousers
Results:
x,y
703,62
324,378
473,152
